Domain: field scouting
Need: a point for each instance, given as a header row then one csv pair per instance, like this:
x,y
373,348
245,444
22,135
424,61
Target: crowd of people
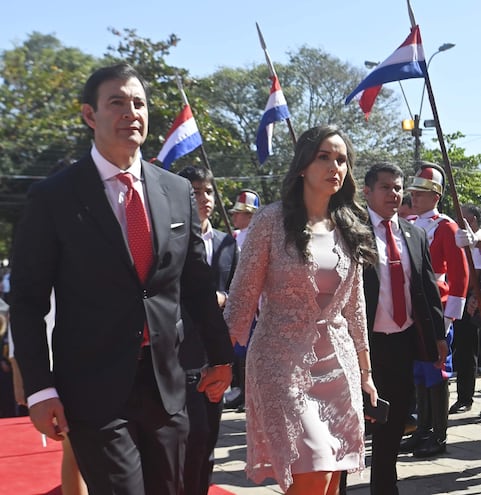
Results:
x,y
314,308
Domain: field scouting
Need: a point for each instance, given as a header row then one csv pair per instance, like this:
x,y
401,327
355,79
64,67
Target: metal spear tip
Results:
x,y
446,46
261,38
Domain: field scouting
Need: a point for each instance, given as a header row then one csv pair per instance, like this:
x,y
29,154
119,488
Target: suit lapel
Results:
x,y
95,204
216,243
376,266
160,208
413,247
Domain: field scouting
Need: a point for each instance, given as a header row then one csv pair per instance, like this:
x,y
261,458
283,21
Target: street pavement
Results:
x,y
457,472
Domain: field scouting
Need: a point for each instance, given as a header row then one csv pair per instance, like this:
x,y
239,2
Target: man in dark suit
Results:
x,y
117,386
204,415
419,335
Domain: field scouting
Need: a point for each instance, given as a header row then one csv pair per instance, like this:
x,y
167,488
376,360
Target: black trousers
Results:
x,y
204,424
392,359
465,357
139,453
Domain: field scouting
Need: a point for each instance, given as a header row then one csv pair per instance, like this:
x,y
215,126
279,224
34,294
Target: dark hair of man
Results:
x,y
197,174
372,175
474,210
407,200
121,71
345,212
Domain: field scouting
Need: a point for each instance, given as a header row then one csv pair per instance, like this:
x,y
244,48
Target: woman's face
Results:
x,y
326,173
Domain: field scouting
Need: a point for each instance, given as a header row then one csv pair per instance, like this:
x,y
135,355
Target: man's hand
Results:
x,y
214,381
442,353
48,417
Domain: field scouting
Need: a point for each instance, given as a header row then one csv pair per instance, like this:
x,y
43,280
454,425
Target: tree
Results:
x,y
236,99
165,102
149,58
39,104
315,85
465,169
40,83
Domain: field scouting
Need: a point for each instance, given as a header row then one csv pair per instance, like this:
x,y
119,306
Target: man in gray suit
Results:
x,y
117,387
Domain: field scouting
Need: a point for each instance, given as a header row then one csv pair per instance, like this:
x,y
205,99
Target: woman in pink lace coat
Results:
x,y
308,357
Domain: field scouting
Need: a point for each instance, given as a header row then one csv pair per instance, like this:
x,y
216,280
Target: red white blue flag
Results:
x,y
275,111
407,62
183,137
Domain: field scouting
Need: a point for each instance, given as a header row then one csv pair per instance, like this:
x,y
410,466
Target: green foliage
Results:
x,y
465,171
315,85
41,80
165,98
39,106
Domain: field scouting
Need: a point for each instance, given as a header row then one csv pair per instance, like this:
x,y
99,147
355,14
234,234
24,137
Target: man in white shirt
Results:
x,y
395,344
117,387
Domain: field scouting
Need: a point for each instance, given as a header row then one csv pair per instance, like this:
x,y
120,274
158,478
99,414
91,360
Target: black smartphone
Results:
x,y
378,413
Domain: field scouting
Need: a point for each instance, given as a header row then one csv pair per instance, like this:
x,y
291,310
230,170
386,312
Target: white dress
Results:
x,y
318,447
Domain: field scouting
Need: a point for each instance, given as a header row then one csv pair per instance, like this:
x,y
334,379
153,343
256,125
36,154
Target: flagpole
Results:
x,y
449,173
272,72
217,194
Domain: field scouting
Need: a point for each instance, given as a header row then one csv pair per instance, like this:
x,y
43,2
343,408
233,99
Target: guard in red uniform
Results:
x,y
451,269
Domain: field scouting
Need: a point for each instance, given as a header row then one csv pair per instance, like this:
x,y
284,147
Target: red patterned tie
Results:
x,y
138,233
397,277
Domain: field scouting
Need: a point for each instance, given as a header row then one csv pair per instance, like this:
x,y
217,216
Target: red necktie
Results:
x,y
138,233
397,277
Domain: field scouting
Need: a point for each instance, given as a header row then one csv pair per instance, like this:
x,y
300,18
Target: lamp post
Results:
x,y
417,131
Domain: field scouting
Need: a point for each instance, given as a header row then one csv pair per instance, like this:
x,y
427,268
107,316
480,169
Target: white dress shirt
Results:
x,y
116,190
208,238
383,321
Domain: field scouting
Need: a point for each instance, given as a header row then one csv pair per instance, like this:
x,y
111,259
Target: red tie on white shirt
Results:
x,y
138,234
397,277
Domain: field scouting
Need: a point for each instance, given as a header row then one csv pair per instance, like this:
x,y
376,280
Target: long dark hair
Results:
x,y
346,213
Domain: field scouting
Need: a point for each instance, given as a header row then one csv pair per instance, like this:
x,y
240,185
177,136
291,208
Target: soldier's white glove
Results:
x,y
465,237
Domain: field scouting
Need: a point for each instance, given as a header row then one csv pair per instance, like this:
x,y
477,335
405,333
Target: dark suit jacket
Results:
x,y
426,302
70,239
225,254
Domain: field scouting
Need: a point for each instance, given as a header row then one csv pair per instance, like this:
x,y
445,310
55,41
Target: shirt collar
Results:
x,y
376,219
209,233
108,170
429,214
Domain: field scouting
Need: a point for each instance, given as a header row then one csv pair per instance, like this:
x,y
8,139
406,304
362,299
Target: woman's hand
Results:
x,y
368,386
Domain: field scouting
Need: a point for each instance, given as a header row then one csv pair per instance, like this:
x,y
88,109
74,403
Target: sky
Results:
x,y
222,33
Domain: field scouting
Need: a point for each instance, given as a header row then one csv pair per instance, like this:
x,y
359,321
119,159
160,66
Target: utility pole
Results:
x,y
417,133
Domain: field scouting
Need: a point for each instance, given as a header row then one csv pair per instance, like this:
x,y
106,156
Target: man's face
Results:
x,y
204,194
241,219
424,201
121,119
386,195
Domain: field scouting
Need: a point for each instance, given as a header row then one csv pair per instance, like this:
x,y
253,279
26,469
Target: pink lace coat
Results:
x,y
281,349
